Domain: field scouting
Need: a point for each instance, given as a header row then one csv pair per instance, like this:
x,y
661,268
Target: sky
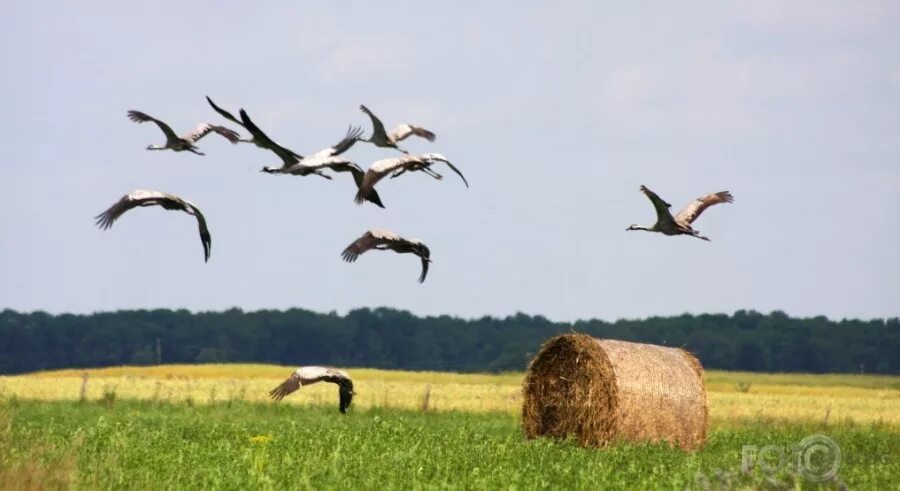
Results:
x,y
555,112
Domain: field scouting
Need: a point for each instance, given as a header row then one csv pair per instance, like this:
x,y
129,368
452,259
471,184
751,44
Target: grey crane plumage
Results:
x,y
295,164
186,142
143,197
398,165
335,164
378,239
312,375
288,157
382,138
230,117
680,224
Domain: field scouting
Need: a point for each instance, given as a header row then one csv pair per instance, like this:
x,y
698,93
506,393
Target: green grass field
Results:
x,y
143,445
211,426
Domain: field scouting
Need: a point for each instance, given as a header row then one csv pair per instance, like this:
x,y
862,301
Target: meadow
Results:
x,y
211,426
733,396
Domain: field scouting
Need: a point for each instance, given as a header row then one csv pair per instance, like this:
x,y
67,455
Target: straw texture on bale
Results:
x,y
600,391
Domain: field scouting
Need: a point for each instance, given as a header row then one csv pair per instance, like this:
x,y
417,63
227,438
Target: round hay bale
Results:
x,y
600,391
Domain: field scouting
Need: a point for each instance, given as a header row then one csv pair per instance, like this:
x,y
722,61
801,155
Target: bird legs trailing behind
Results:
x,y
185,142
423,169
381,138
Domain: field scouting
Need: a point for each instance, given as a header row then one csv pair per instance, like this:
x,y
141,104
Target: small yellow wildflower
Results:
x,y
261,439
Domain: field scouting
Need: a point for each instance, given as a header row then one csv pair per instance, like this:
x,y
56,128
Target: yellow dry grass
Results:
x,y
789,397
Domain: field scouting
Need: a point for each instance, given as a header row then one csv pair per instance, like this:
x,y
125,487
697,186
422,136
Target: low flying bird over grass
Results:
x,y
186,142
398,165
380,138
143,197
383,240
680,224
311,375
295,164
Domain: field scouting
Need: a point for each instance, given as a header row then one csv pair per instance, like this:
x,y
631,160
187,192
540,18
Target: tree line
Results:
x,y
395,339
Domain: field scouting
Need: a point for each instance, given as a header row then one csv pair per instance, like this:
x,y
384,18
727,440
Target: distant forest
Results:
x,y
388,338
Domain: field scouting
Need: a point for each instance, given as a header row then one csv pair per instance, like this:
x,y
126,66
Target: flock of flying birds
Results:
x,y
331,159
292,163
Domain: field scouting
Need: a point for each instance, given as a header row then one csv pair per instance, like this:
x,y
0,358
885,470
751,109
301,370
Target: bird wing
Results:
x,y
402,132
205,238
436,157
368,241
345,384
358,176
225,114
337,164
378,133
143,197
312,164
139,117
414,246
662,208
424,253
344,165
377,171
286,155
353,134
346,395
312,374
696,207
424,270
139,197
287,387
204,129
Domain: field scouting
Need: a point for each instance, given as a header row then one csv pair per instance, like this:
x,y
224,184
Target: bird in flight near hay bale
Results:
x,y
181,143
383,240
399,165
680,224
380,138
311,375
143,197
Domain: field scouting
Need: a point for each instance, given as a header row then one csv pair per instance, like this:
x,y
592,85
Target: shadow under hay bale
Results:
x,y
600,391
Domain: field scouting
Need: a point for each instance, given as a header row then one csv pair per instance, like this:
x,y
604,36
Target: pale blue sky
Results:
x,y
556,112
